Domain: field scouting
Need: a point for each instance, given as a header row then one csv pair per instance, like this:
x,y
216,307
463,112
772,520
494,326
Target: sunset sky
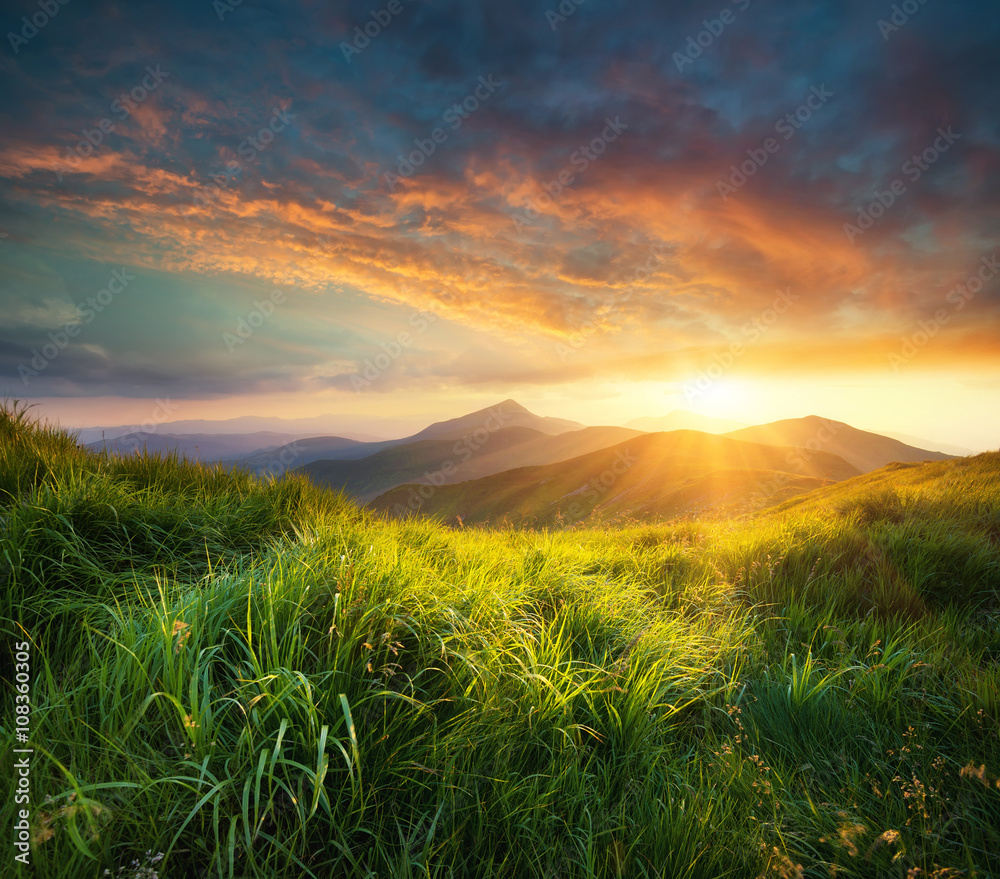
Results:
x,y
750,210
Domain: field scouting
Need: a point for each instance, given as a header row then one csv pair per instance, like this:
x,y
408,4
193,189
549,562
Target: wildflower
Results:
x,y
183,631
846,834
970,771
888,838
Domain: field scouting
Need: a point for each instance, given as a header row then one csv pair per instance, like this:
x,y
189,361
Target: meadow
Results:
x,y
243,678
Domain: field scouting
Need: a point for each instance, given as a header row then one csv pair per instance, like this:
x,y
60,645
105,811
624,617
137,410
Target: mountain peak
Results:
x,y
865,450
512,404
508,413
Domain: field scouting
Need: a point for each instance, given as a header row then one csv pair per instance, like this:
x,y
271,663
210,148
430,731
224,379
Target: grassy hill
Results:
x,y
865,450
234,678
651,476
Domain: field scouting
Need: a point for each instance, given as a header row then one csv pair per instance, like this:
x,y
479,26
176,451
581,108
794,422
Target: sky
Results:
x,y
604,210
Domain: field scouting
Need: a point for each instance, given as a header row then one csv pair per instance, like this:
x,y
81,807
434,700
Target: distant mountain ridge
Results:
x,y
931,445
865,450
245,424
445,461
481,465
474,427
681,419
195,446
326,425
650,476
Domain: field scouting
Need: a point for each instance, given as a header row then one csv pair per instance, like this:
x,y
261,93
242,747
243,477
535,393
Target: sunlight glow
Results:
x,y
720,397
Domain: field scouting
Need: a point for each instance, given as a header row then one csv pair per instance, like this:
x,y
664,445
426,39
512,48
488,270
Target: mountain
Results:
x,y
919,442
305,450
195,446
473,429
247,424
445,461
681,419
651,476
866,451
509,413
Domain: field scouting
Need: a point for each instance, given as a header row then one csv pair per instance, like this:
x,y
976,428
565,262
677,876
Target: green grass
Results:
x,y
260,679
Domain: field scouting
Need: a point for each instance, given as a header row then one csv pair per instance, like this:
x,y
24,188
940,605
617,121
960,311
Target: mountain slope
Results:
x,y
866,451
650,476
304,450
914,488
441,462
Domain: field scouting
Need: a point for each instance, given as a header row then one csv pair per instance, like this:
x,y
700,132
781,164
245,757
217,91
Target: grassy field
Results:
x,y
234,678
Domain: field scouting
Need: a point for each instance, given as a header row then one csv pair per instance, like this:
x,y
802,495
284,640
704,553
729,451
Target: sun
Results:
x,y
721,398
